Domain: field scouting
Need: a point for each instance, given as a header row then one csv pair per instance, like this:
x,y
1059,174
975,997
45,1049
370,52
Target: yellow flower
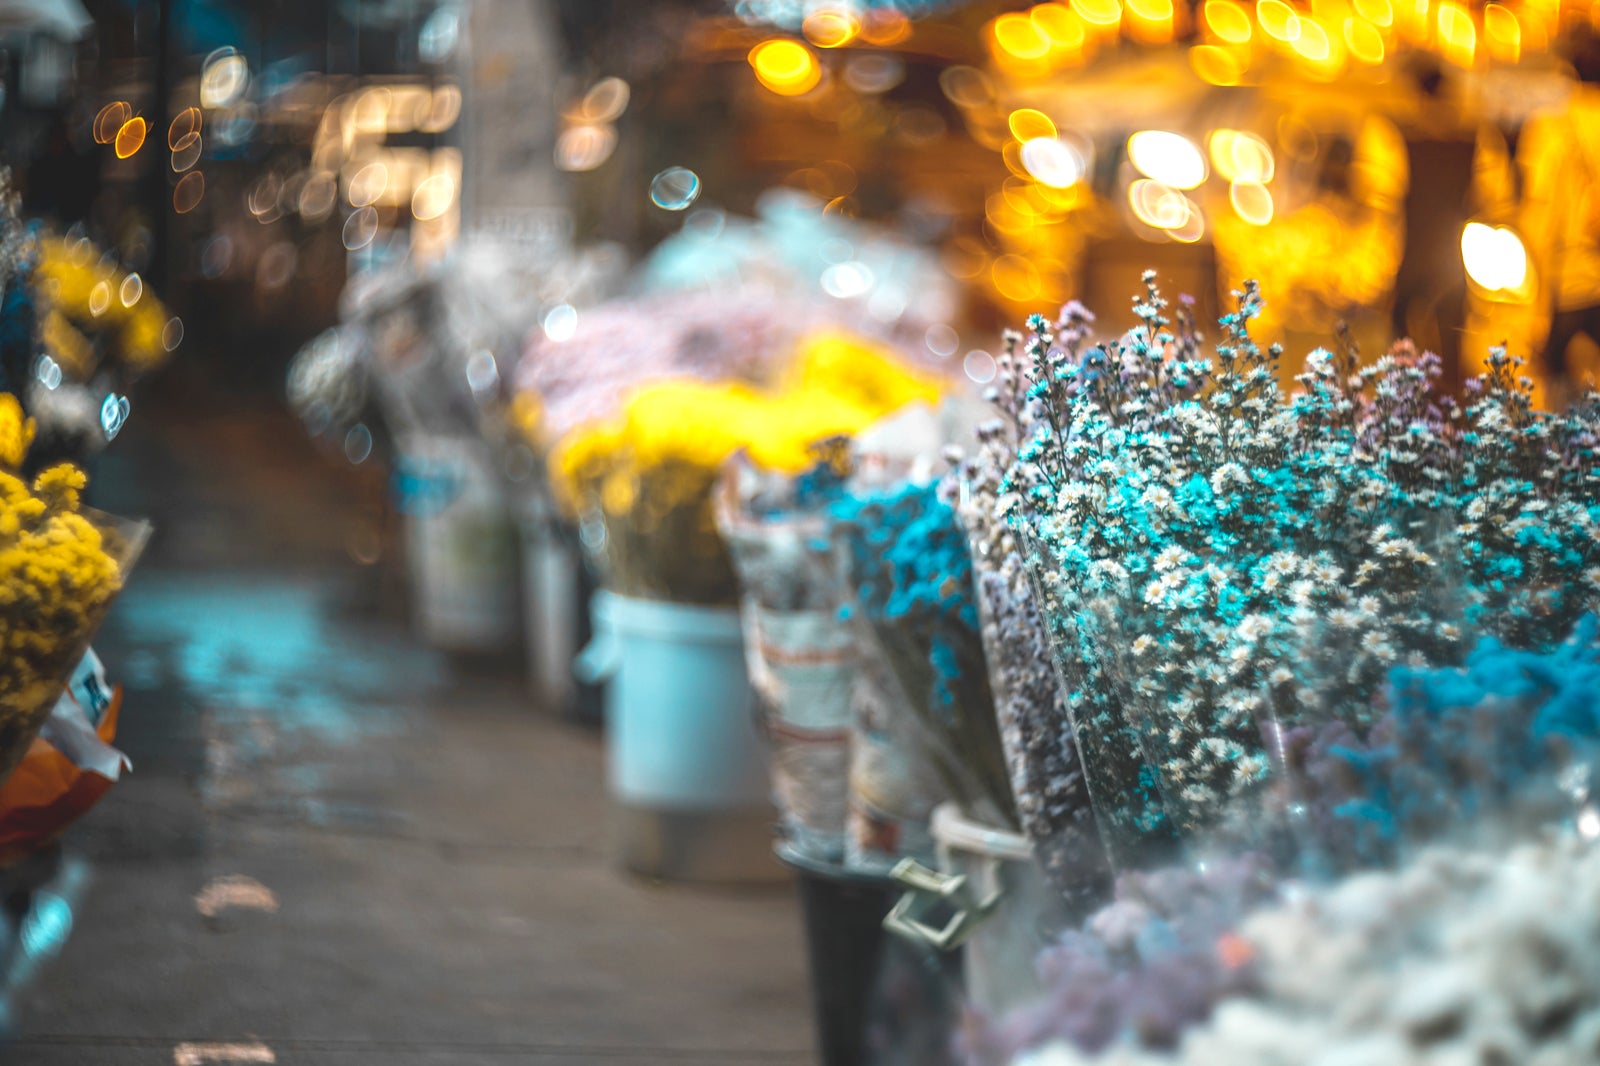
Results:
x,y
79,295
16,432
56,579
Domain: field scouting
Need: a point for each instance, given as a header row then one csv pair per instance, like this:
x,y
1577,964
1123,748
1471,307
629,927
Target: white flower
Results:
x,y
1284,563
1592,576
1170,557
1394,549
1254,627
1142,645
1341,618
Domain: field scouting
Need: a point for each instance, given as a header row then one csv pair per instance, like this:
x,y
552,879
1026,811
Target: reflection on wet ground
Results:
x,y
338,847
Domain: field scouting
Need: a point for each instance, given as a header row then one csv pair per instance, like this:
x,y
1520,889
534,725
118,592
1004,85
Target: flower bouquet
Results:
x,y
61,565
101,329
802,655
643,481
1466,766
1193,532
1047,780
906,564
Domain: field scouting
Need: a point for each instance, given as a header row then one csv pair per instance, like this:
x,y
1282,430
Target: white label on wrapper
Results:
x,y
803,665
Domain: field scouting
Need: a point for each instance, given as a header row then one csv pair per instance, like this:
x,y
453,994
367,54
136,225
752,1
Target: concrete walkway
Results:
x,y
338,847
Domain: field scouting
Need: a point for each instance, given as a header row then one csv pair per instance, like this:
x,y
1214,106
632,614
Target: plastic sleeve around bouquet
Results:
x,y
1047,779
903,560
28,696
1083,638
802,654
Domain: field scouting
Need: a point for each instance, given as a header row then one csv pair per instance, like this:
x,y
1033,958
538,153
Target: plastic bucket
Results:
x,y
874,998
687,769
1025,913
460,546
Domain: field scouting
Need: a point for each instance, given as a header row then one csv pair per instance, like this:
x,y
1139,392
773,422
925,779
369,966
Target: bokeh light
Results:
x,y
110,119
786,67
675,188
188,193
130,137
1495,257
1169,158
224,77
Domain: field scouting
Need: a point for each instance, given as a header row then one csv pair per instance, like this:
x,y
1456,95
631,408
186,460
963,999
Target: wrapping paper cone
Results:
x,y
48,791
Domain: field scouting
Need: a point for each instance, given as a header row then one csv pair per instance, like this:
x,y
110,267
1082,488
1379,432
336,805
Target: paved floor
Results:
x,y
337,847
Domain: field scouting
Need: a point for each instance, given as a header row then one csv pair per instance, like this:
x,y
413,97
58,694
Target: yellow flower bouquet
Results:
x,y
81,297
60,567
643,482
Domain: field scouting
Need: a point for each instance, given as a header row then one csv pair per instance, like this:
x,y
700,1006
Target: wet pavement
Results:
x,y
339,847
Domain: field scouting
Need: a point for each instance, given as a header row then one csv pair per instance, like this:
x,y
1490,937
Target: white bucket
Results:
x,y
687,768
460,546
1027,915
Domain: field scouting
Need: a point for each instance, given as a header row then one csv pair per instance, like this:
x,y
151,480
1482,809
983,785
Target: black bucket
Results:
x,y
876,999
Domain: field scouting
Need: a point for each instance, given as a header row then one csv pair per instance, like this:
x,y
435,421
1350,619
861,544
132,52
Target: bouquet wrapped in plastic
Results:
x,y
67,769
60,568
1465,769
1192,532
803,659
907,566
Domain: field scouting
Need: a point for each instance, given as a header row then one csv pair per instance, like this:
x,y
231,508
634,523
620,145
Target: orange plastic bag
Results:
x,y
48,791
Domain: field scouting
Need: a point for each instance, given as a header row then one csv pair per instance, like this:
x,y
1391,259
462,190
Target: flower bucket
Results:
x,y
459,545
874,998
687,769
993,899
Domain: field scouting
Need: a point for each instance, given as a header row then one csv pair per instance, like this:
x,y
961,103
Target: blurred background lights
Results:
x,y
1052,162
1227,21
109,120
132,288
1169,158
369,183
830,27
979,366
605,101
1495,257
483,373
433,197
585,147
223,78
1158,205
360,228
184,125
1105,14
847,280
1252,201
942,340
1027,124
786,67
675,188
358,443
437,40
561,322
1019,36
130,137
1241,156
1364,40
1278,20
187,154
99,298
172,334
